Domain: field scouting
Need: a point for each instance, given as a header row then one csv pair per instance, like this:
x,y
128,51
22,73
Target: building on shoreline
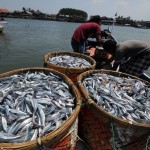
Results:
x,y
78,19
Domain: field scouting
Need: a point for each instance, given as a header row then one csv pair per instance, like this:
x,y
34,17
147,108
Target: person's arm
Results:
x,y
99,40
99,35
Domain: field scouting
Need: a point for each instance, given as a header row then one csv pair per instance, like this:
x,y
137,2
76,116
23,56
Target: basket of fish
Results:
x,y
39,108
120,105
70,63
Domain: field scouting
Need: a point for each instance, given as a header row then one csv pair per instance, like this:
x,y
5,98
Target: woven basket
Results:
x,y
104,123
68,142
61,138
71,72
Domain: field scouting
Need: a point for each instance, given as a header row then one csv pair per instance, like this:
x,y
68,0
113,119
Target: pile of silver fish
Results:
x,y
126,98
32,105
69,61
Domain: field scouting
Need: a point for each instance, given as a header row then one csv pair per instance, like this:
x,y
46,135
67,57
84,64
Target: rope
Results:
x,y
85,144
147,147
113,136
83,103
40,144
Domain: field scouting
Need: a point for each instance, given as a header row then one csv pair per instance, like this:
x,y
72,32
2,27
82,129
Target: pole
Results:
x,y
113,27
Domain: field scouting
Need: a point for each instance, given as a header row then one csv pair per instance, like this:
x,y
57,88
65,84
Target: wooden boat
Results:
x,y
101,57
97,53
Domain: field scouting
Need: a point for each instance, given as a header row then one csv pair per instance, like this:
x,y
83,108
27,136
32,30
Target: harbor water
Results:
x,y
24,42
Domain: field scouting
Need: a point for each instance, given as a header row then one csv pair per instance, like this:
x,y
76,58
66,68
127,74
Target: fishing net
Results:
x,y
71,72
63,137
102,130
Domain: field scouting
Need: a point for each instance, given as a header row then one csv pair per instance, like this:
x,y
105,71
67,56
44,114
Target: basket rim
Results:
x,y
92,61
65,125
91,102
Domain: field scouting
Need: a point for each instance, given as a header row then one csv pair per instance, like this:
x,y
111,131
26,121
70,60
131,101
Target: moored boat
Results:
x,y
3,22
97,52
1,28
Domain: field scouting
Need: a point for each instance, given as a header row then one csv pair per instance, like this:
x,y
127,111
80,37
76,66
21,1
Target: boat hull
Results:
x,y
1,29
3,22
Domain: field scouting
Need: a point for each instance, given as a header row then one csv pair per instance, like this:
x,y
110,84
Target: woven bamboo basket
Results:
x,y
71,72
62,138
100,126
69,141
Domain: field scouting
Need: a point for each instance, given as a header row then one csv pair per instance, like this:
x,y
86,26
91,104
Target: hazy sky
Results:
x,y
136,9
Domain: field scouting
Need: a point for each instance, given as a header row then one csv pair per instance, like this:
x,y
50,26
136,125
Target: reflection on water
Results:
x,y
24,42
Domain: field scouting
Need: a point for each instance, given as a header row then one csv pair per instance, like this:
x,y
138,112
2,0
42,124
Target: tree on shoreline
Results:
x,y
73,13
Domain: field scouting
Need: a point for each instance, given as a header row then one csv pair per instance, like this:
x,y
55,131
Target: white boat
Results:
x,y
1,28
3,22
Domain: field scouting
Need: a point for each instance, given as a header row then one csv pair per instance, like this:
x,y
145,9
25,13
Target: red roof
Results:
x,y
4,10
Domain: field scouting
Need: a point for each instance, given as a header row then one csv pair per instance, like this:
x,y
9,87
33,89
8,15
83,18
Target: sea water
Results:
x,y
25,42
